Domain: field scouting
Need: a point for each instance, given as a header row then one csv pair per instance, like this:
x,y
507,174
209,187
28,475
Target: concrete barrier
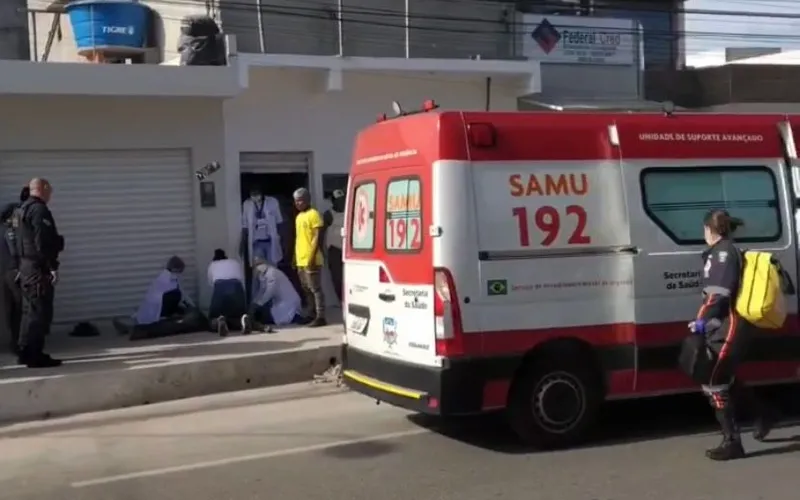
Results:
x,y
62,394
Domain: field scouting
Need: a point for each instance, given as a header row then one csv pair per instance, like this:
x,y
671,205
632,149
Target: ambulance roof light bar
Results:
x,y
398,110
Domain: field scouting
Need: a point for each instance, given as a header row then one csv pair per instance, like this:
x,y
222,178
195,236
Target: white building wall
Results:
x,y
289,110
125,123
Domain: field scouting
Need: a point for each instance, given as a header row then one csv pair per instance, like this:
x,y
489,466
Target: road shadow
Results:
x,y
622,422
790,444
155,353
364,450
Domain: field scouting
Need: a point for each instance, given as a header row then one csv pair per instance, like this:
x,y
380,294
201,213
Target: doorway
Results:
x,y
279,185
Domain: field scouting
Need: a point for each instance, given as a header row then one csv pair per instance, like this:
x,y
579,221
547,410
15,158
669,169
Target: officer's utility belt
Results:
x,y
38,262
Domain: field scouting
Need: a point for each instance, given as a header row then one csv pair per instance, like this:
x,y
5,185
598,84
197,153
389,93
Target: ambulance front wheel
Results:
x,y
554,403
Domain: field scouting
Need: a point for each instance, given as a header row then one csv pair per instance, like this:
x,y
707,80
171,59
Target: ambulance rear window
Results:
x,y
676,199
404,215
362,217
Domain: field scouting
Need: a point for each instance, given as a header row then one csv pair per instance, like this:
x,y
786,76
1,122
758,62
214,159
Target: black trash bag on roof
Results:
x,y
201,42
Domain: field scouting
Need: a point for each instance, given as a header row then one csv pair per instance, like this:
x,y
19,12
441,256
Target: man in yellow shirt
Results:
x,y
308,255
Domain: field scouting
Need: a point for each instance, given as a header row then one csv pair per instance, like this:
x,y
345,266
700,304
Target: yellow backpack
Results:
x,y
761,293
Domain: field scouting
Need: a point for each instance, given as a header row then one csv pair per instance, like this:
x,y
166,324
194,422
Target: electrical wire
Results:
x,y
479,31
390,18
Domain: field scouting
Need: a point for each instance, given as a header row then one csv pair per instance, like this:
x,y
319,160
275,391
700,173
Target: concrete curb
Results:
x,y
112,389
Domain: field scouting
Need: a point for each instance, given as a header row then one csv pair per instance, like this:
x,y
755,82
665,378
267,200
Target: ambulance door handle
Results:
x,y
386,297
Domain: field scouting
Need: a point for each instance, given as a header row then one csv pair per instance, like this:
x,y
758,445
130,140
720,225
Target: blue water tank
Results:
x,y
115,26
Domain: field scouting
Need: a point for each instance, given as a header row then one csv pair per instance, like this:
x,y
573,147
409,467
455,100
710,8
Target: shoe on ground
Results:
x,y
247,325
41,361
727,450
222,326
764,425
317,322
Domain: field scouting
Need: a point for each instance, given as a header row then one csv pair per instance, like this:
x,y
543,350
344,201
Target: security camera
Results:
x,y
205,172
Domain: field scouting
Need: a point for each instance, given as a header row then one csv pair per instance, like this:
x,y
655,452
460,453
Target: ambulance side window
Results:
x,y
403,215
677,199
362,217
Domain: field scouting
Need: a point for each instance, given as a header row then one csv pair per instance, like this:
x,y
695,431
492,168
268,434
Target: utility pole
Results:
x,y
14,37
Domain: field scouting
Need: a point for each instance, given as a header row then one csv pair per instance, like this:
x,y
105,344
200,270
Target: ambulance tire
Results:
x,y
554,403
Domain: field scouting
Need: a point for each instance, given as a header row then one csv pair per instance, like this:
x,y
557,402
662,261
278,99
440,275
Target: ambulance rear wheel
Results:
x,y
553,404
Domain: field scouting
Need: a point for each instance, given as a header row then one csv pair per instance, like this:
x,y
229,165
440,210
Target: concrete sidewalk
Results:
x,y
111,372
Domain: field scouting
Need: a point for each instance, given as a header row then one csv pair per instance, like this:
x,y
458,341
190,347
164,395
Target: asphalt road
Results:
x,y
310,443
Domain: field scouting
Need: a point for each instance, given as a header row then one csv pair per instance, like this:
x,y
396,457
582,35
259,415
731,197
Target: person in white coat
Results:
x,y
277,302
261,216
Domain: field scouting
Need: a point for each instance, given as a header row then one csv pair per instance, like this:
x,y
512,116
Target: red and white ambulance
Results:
x,y
543,263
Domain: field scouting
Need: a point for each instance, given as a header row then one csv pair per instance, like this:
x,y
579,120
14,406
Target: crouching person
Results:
x,y
228,309
275,301
166,310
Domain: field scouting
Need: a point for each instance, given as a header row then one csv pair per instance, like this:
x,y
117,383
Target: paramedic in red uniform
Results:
x,y
727,336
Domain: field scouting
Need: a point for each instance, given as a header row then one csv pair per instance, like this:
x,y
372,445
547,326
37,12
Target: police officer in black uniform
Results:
x,y
727,336
38,245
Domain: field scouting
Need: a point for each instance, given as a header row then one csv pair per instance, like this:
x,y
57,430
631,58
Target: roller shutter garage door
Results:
x,y
122,213
274,162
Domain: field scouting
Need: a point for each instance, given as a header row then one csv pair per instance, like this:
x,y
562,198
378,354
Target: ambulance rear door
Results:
x,y
388,268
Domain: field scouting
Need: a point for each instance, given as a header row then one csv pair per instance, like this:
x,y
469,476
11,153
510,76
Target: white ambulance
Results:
x,y
542,263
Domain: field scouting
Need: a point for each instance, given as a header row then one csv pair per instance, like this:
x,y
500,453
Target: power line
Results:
x,y
325,14
392,18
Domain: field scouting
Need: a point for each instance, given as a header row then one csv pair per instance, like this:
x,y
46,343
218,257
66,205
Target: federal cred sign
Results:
x,y
580,40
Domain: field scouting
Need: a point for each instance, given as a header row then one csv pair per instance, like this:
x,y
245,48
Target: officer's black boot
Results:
x,y
731,446
39,360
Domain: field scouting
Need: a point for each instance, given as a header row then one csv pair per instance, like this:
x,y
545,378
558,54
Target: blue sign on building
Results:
x,y
109,25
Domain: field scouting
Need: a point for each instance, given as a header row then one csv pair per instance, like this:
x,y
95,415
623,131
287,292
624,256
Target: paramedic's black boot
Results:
x,y
765,415
731,446
766,420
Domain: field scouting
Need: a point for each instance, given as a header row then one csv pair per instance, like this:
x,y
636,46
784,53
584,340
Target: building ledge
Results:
x,y
31,78
526,73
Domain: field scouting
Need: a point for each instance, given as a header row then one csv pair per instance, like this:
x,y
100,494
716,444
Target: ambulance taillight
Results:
x,y
482,135
383,276
447,315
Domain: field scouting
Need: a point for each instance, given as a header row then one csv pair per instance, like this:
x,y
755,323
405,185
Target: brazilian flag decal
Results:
x,y
497,287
